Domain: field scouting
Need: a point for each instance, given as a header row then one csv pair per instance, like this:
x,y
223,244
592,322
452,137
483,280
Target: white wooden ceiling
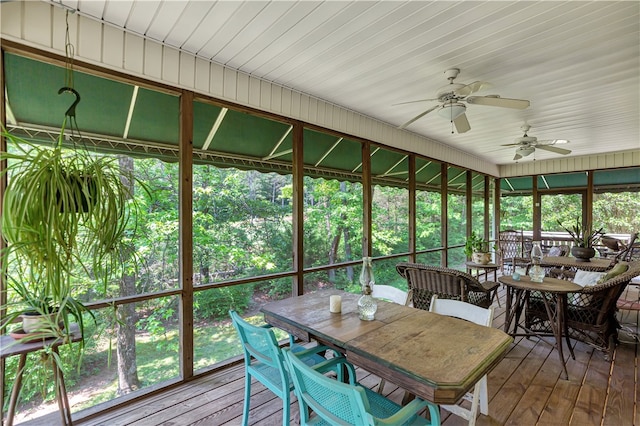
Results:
x,y
577,62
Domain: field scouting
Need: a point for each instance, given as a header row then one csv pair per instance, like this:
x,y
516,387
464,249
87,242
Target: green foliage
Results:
x,y
516,212
617,212
215,303
475,244
428,225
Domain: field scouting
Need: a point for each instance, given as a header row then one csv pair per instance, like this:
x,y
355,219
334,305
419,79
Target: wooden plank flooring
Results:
x,y
525,388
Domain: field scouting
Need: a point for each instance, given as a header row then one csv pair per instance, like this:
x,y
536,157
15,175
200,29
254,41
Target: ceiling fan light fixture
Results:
x,y
525,150
452,111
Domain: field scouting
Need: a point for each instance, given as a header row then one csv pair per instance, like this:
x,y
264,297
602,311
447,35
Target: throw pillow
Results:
x,y
586,278
614,272
555,251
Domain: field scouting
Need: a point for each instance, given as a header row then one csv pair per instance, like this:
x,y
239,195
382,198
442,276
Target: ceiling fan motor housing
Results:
x,y
527,140
448,92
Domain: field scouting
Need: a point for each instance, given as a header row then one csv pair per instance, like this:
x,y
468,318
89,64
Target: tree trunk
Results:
x,y
347,254
347,244
333,254
128,380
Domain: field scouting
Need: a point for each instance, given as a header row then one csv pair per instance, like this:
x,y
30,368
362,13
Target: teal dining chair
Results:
x,y
263,360
335,403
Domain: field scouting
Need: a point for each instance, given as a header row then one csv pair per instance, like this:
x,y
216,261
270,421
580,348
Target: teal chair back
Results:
x,y
337,403
263,360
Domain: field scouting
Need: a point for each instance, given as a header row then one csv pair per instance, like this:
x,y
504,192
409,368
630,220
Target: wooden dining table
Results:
x,y
435,357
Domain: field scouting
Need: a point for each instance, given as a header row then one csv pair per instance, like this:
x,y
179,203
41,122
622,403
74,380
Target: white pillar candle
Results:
x,y
335,304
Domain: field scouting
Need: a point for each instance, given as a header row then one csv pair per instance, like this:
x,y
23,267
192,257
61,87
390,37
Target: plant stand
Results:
x,y
9,347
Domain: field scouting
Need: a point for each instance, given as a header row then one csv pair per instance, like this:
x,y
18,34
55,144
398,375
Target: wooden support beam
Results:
x,y
186,233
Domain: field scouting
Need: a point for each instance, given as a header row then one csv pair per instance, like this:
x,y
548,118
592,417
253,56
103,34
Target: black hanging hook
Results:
x,y
71,112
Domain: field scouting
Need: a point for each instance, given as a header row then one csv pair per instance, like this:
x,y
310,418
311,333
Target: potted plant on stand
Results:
x,y
583,239
477,248
66,212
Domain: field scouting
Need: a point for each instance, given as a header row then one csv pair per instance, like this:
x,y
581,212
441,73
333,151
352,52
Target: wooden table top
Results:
x,y
10,346
595,264
549,285
436,357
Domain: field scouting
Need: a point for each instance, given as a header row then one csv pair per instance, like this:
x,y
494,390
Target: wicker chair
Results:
x,y
630,251
514,251
424,281
591,313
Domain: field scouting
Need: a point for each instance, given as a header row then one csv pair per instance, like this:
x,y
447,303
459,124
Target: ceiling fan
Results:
x,y
528,144
452,97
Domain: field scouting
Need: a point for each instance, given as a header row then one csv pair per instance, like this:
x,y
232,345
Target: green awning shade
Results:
x,y
119,117
603,180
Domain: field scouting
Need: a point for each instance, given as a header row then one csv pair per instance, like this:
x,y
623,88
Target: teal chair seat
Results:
x,y
336,403
265,362
266,373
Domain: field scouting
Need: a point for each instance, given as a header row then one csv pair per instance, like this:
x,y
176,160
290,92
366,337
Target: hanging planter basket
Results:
x,y
83,192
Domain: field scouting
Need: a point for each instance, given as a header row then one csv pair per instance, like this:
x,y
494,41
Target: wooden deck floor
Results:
x,y
526,388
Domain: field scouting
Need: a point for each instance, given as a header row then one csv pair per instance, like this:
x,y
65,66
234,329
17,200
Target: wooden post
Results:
x,y
366,199
444,212
298,209
186,234
469,201
496,209
537,211
587,201
412,208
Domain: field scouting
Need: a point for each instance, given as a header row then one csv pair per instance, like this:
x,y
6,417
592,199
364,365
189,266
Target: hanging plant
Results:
x,y
64,210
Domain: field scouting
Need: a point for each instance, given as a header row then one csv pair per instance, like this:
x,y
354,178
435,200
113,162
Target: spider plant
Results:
x,y
65,211
584,237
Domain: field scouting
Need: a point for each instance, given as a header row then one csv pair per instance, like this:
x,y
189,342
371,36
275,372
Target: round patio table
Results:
x,y
552,290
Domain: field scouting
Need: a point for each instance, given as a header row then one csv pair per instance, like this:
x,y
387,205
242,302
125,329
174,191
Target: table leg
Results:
x,y
15,392
61,392
557,326
514,305
508,312
563,301
495,279
521,301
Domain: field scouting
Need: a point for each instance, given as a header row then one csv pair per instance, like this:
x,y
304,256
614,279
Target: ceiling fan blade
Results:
x,y
495,100
511,144
413,102
418,117
462,124
517,156
554,149
552,141
472,88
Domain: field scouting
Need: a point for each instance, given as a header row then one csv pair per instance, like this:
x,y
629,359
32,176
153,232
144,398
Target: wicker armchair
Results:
x,y
591,313
424,281
514,250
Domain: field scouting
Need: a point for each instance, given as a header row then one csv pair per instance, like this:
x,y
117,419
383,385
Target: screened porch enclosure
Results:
x,y
273,208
